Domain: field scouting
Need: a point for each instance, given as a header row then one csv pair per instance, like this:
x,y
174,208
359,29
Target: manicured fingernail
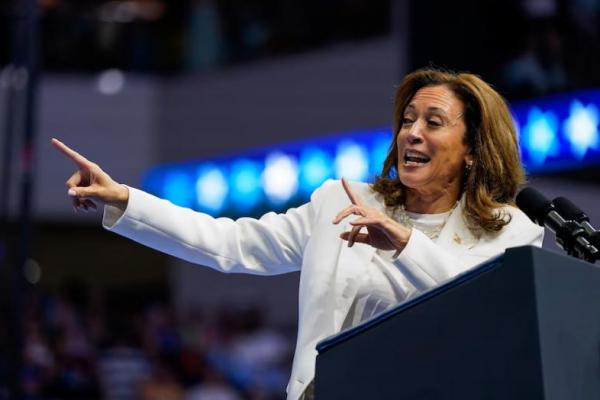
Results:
x,y
72,192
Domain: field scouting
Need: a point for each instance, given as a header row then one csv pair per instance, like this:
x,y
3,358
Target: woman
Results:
x,y
442,204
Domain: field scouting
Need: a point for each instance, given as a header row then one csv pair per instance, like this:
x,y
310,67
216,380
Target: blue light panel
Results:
x,y
559,132
556,133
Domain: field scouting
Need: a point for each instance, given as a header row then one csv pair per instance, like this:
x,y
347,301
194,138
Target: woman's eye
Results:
x,y
406,121
434,123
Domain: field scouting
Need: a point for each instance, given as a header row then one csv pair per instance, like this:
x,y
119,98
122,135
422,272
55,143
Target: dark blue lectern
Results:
x,y
525,325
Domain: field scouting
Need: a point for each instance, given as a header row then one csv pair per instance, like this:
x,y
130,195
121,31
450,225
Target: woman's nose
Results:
x,y
415,133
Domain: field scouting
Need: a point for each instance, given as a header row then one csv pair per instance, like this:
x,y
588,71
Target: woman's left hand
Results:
x,y
382,231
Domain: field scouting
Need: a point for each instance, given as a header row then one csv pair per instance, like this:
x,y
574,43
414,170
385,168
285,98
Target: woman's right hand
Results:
x,y
90,183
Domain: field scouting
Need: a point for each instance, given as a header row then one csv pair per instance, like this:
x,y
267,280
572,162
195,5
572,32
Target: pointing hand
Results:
x,y
89,183
382,231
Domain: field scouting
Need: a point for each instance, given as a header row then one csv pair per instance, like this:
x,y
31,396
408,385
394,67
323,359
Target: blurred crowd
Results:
x,y
75,349
526,48
553,46
160,36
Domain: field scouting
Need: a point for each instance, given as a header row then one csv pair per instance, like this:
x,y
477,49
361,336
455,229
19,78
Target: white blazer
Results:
x,y
305,239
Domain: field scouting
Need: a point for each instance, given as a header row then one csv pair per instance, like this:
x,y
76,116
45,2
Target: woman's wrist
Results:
x,y
121,198
401,235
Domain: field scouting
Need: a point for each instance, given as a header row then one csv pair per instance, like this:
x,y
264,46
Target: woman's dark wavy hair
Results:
x,y
496,173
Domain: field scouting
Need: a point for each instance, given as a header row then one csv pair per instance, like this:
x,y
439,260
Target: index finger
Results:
x,y
77,158
354,199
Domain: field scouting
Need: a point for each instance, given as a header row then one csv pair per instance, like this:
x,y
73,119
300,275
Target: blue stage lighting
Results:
x,y
379,152
581,128
211,189
280,177
540,135
351,161
555,132
178,188
315,168
246,190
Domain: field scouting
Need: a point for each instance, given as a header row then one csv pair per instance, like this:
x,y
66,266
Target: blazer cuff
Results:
x,y
426,262
114,216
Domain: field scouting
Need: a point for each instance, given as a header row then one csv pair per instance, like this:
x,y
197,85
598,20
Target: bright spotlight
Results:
x,y
280,178
352,161
540,135
245,184
316,166
211,189
581,128
110,82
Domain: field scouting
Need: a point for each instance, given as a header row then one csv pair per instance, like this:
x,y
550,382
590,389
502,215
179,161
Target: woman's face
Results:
x,y
431,151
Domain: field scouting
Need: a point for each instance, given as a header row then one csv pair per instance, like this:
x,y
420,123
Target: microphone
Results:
x,y
570,211
570,235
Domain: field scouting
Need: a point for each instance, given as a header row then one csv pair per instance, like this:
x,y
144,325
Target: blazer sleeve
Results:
x,y
427,264
270,245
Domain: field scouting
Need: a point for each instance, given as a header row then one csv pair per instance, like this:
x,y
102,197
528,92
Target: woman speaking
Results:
x,y
442,204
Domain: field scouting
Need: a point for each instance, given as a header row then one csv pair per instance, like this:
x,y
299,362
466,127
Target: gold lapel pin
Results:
x,y
457,238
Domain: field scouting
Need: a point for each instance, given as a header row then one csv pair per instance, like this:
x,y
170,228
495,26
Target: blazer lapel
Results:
x,y
351,266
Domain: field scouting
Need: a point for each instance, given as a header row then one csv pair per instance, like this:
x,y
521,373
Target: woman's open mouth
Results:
x,y
413,158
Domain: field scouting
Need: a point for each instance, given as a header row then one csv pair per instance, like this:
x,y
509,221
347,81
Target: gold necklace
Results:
x,y
402,216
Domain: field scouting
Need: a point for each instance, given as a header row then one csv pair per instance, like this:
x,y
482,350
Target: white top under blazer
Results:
x,y
305,239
